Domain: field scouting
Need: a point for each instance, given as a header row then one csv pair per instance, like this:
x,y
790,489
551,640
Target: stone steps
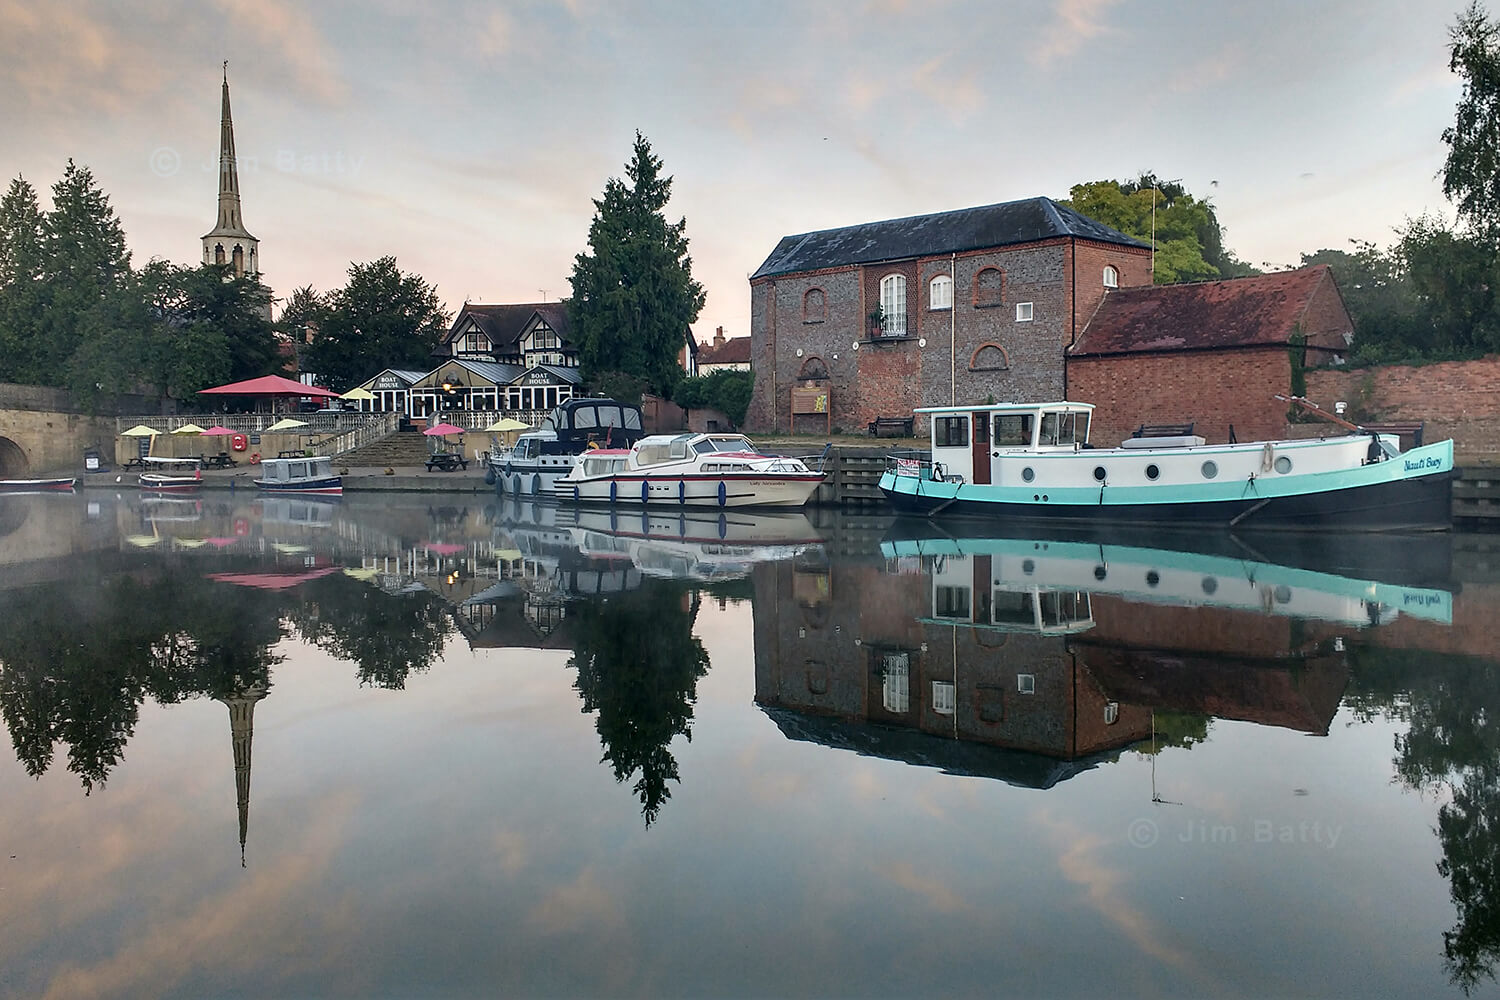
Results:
x,y
401,449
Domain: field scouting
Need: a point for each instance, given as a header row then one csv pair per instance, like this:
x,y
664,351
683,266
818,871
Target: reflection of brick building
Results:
x,y
895,664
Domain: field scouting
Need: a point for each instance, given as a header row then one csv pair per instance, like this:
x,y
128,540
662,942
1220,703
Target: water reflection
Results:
x,y
1017,661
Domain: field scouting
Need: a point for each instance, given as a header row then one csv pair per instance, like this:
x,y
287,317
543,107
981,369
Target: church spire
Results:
x,y
230,242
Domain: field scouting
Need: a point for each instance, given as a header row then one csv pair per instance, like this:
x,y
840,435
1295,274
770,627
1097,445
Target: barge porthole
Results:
x,y
1152,472
1099,473
1283,464
1210,469
1027,474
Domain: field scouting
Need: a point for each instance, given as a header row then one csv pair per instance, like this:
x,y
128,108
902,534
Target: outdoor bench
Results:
x,y
891,427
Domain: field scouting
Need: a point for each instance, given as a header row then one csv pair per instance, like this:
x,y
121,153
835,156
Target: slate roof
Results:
x,y
504,324
1237,312
1005,224
736,351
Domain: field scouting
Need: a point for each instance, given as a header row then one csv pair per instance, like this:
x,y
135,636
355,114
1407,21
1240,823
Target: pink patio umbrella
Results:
x,y
443,430
269,385
219,431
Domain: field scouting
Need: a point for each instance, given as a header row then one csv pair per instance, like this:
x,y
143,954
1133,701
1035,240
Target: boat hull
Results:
x,y
753,490
169,484
37,485
1411,492
325,486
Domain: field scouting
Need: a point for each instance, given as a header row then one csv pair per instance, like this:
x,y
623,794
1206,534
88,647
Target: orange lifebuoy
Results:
x,y
255,458
238,442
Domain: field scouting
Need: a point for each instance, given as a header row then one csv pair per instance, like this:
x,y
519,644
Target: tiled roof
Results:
x,y
1006,224
504,324
736,351
1238,312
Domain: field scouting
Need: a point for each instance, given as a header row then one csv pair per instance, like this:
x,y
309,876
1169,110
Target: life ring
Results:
x,y
239,442
255,458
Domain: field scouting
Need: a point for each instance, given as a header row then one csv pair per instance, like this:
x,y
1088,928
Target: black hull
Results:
x,y
1419,504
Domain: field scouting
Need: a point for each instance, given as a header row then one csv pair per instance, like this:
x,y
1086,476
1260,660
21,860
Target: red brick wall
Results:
x,y
1087,265
1213,389
1457,399
890,383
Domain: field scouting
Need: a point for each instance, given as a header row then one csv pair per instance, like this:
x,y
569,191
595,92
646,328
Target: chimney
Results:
x,y
719,338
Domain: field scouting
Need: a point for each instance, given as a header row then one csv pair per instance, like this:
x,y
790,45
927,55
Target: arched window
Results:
x,y
893,304
218,253
239,259
1111,278
940,292
813,368
814,306
989,358
989,287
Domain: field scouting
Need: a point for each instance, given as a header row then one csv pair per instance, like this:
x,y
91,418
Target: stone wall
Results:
x,y
40,442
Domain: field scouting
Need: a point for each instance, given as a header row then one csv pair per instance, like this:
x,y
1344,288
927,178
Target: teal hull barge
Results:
x,y
1033,462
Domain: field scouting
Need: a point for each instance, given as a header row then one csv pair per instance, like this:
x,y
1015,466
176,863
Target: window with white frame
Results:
x,y
895,688
940,292
1111,278
474,342
1023,312
944,697
1026,683
893,304
543,338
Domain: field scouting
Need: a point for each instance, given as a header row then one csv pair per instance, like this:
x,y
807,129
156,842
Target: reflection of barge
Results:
x,y
1167,576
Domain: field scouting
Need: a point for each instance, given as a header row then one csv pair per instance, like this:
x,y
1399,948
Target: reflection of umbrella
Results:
x,y
444,548
221,542
140,431
190,543
188,429
361,573
508,424
443,430
286,424
143,541
272,581
358,393
268,385
288,547
220,431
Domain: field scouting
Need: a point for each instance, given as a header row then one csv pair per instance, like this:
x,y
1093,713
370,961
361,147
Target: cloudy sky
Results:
x,y
468,140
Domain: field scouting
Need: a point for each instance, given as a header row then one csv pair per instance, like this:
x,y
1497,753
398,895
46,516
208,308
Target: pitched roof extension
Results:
x,y
1236,312
504,324
1005,224
736,351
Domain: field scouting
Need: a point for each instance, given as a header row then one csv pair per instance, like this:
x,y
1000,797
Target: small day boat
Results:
x,y
61,485
1033,461
171,475
307,476
690,470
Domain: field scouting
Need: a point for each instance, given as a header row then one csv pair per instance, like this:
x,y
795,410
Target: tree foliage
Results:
x,y
634,296
725,391
1189,239
383,317
1471,171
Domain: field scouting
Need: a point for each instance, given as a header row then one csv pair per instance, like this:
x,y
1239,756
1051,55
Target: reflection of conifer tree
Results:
x,y
1452,705
638,667
388,636
76,662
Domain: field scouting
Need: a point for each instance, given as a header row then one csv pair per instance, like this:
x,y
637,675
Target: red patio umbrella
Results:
x,y
443,430
269,385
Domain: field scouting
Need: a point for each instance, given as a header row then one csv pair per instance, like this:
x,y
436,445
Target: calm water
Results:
x,y
413,746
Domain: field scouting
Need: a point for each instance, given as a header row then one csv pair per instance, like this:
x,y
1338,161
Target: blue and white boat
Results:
x,y
1034,462
308,476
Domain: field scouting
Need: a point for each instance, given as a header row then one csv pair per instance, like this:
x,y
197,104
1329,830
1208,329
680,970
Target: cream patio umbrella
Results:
x,y
287,424
188,429
142,431
358,394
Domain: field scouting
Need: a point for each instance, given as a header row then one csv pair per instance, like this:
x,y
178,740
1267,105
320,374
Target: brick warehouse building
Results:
x,y
1214,353
970,304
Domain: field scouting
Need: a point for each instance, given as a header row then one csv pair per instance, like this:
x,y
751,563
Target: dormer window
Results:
x,y
474,341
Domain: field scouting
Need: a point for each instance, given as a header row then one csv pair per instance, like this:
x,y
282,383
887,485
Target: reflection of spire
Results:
x,y
241,731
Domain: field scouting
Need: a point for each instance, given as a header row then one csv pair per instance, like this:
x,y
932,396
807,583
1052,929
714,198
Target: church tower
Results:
x,y
241,704
229,242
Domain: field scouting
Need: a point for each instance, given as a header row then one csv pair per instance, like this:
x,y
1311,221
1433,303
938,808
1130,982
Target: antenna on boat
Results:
x,y
1156,799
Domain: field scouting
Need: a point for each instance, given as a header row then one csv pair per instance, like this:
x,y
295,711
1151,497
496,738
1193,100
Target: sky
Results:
x,y
469,140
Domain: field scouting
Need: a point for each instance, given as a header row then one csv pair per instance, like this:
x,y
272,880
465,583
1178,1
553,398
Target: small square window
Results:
x,y
1026,683
1023,312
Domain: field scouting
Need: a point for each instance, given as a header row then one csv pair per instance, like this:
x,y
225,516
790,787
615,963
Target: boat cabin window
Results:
x,y
733,443
1064,428
679,448
584,418
1013,429
951,432
703,447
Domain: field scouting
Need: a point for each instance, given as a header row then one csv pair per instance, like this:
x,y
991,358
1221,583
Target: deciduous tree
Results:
x,y
383,317
1471,171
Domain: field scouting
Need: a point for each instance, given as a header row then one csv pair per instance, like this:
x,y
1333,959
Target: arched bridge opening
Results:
x,y
13,461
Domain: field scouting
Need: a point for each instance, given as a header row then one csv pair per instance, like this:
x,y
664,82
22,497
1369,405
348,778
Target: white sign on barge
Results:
x,y
1032,461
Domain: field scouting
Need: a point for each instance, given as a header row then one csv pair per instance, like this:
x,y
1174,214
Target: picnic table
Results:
x,y
446,461
223,460
134,463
